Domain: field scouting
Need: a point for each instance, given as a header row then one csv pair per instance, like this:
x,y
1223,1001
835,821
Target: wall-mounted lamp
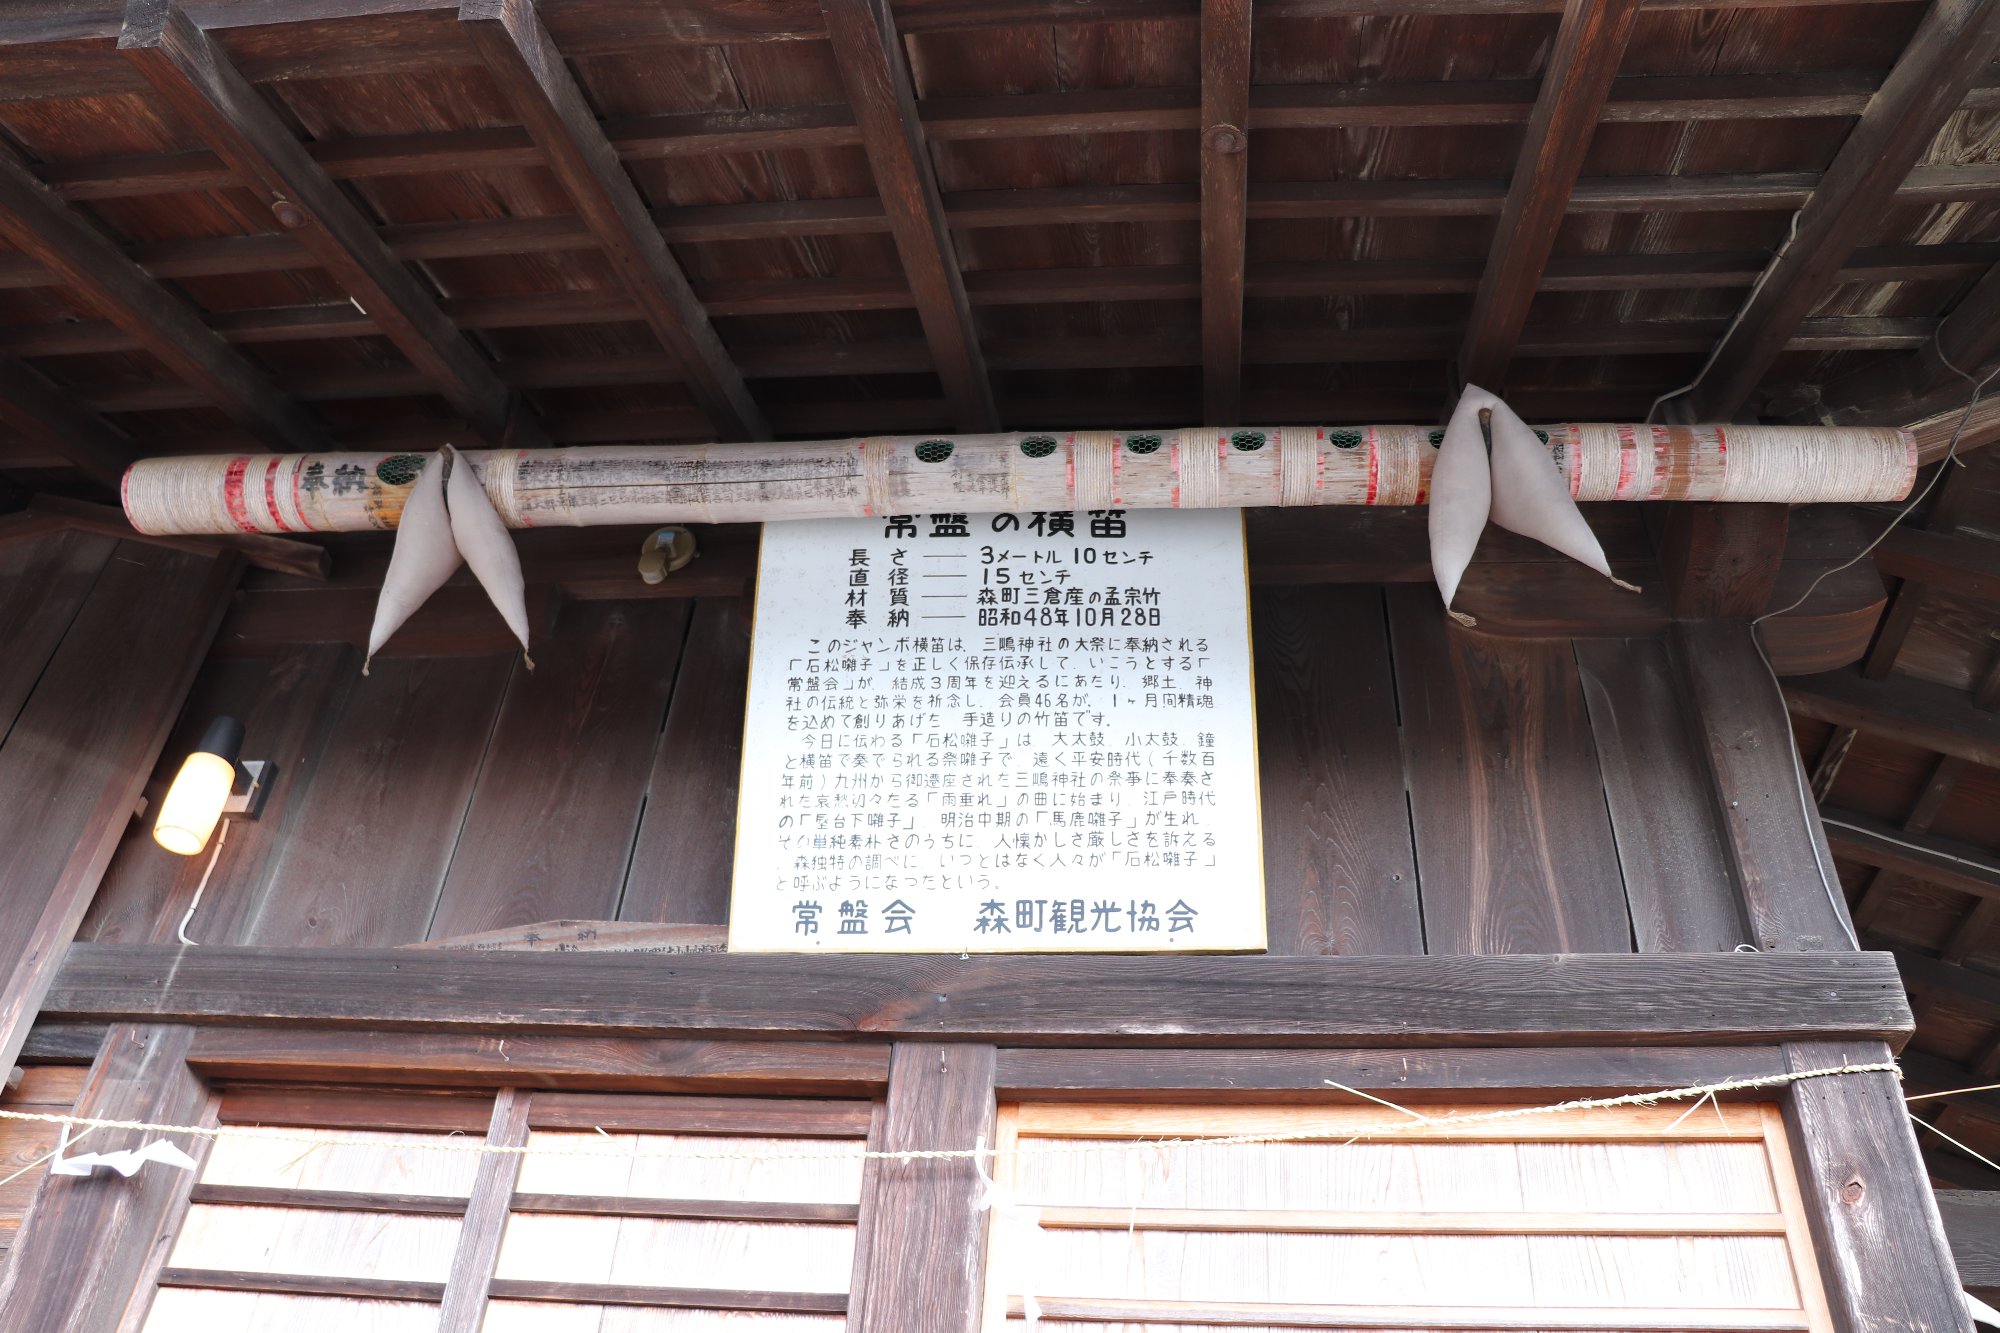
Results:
x,y
207,788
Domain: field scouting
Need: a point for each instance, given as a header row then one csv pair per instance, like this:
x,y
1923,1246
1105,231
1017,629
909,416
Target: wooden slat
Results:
x,y
303,1284
603,1063
345,1108
1340,874
704,1210
267,1196
189,71
1778,851
683,857
524,62
1914,712
1514,847
550,825
1378,1124
67,247
1386,1222
81,747
1496,1318
1225,186
88,1253
1957,865
625,1113
478,1253
1678,882
1950,49
36,409
875,72
45,582
926,1259
1866,1197
1576,80
671,1298
1645,999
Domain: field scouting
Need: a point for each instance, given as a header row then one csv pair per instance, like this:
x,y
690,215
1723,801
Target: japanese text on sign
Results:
x,y
1019,732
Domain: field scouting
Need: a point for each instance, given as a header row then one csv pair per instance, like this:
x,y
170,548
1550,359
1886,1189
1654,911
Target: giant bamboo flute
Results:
x,y
1053,470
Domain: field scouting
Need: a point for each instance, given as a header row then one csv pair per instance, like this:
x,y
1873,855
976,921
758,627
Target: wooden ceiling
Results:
x,y
295,223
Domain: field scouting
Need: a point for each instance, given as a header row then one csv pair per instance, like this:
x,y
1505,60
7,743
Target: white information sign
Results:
x,y
1022,732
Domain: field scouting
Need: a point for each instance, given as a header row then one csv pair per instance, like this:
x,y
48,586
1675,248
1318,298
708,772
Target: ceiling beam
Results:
x,y
1576,80
1925,856
1950,50
33,407
1875,894
196,80
77,255
1901,708
530,71
876,73
1225,192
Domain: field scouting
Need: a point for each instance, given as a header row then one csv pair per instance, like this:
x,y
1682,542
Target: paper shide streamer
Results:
x,y
1491,466
448,520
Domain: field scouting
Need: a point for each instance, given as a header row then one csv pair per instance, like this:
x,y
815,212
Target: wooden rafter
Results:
x,y
196,79
1951,49
1577,79
523,60
55,236
877,76
1910,566
1225,190
33,407
1915,712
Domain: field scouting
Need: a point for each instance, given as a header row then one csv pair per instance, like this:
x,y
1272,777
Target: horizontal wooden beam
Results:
x,y
1637,999
1923,856
35,408
1915,712
1962,563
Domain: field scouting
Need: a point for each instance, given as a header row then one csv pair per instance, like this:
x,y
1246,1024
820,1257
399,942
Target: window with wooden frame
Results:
x,y
619,1213
1119,1216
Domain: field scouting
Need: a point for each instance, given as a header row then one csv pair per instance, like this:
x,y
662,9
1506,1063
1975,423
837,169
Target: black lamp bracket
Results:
x,y
246,800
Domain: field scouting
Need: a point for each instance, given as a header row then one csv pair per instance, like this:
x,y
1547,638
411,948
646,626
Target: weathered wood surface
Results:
x,y
1644,999
1916,712
1882,1248
685,851
1514,848
549,828
478,1253
1783,867
42,585
925,1265
1722,560
80,748
1340,874
1225,187
1678,880
1972,1225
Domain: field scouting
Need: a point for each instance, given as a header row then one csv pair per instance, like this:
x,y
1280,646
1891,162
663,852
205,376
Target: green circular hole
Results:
x,y
1345,439
933,451
1437,438
1248,441
1038,446
399,469
1542,435
1143,444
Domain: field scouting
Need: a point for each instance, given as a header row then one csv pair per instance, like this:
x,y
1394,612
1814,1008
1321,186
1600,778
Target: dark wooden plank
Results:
x,y
1966,563
347,1108
684,856
376,828
265,1196
458,620
1340,874
35,408
671,1298
63,1044
281,555
927,1257
1722,559
478,1254
1882,1248
1262,1077
1514,848
1948,53
753,1116
304,1284
1914,712
1783,870
89,1248
550,826
706,1210
875,71
43,584
81,747
192,75
1678,883
1972,1224
524,62
1225,191
1578,999
43,228
1926,856
1576,81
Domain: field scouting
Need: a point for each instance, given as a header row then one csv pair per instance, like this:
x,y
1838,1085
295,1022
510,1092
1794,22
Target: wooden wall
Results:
x,y
1426,789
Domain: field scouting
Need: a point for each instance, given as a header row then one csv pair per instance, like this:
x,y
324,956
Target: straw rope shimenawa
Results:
x,y
1080,470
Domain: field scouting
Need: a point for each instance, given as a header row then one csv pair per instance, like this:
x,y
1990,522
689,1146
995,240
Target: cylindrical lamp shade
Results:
x,y
194,803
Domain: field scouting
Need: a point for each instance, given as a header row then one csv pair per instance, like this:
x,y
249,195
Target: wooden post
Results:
x,y
1225,192
479,1236
925,1265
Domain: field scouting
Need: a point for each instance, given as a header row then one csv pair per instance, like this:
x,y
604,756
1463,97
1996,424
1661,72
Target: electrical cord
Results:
x,y
221,837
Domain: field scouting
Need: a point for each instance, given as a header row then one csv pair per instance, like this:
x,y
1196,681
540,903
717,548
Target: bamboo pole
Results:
x,y
1083,470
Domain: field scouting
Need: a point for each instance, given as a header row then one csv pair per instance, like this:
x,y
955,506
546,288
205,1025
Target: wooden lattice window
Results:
x,y
1627,1219
624,1213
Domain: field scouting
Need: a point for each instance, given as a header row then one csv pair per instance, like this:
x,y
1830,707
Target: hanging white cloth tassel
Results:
x,y
1514,485
424,556
484,542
